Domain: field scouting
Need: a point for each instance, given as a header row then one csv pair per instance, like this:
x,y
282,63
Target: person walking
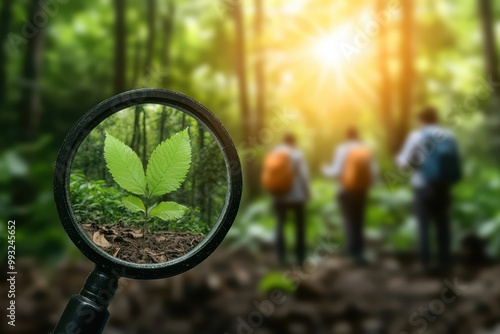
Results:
x,y
285,176
432,152
355,167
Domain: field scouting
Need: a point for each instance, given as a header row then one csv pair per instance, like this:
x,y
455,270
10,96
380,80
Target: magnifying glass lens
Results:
x,y
148,184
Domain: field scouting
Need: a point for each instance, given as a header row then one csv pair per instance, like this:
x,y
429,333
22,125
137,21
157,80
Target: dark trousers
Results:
x,y
432,203
352,205
281,209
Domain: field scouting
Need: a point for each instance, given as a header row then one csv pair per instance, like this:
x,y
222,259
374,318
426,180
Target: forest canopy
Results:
x,y
311,67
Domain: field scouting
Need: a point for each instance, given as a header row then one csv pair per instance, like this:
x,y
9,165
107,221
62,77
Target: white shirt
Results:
x,y
300,188
336,168
414,151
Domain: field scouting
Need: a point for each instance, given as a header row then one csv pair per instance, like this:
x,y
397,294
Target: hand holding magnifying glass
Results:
x,y
147,185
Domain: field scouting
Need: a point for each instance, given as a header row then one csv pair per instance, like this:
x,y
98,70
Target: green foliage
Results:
x,y
96,201
134,204
169,164
125,166
167,169
26,174
277,281
168,211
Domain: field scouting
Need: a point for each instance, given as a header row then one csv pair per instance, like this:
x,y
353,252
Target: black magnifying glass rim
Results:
x,y
97,115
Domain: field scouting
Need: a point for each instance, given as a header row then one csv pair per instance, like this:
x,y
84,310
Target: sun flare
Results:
x,y
327,48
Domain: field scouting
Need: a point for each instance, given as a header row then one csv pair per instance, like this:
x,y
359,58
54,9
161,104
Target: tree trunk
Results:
x,y
407,74
386,113
150,46
144,139
168,30
202,184
134,142
490,51
120,83
492,74
30,105
162,123
260,104
137,63
240,68
5,18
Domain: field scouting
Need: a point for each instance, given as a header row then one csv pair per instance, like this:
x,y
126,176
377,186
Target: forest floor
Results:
x,y
225,294
133,245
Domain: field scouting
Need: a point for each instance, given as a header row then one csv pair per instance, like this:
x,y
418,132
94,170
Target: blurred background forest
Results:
x,y
264,68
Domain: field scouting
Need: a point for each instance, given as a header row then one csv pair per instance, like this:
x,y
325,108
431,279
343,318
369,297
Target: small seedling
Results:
x,y
166,171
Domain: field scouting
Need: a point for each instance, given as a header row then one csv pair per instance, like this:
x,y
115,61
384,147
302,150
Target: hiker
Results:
x,y
285,176
432,153
355,167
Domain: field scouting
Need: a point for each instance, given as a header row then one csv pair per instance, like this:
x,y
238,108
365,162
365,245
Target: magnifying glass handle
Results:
x,y
87,313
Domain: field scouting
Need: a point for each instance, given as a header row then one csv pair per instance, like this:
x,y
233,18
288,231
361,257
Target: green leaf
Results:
x,y
124,165
134,204
169,164
168,211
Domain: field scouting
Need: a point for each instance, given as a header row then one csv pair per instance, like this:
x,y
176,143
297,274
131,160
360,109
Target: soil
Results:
x,y
129,244
224,295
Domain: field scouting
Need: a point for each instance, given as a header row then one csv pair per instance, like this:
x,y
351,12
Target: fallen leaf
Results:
x,y
135,235
100,240
116,252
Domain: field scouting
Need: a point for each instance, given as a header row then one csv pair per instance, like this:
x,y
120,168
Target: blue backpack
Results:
x,y
442,165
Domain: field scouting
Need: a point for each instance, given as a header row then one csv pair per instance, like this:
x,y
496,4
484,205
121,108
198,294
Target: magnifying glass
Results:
x,y
147,184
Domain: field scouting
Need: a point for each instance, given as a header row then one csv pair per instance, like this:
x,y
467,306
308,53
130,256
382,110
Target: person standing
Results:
x,y
432,152
355,167
285,176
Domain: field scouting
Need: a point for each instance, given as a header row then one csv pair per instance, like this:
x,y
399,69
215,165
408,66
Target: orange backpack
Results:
x,y
277,173
357,174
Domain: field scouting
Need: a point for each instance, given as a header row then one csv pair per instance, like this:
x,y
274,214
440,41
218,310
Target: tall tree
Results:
x,y
490,50
163,120
168,31
492,72
136,132
5,17
150,46
407,73
120,83
260,104
240,68
386,112
136,69
144,138
30,105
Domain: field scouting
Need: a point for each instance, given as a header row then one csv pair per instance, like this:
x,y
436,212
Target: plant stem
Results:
x,y
146,217
144,227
